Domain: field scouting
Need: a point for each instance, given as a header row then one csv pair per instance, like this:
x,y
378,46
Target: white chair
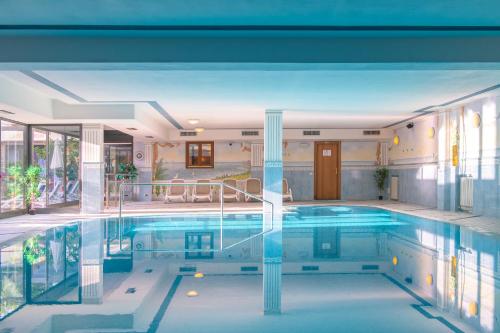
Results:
x,y
287,191
202,192
229,193
253,187
176,192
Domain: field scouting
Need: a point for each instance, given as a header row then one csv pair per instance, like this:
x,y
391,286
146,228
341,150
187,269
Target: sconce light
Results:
x,y
396,140
431,132
476,120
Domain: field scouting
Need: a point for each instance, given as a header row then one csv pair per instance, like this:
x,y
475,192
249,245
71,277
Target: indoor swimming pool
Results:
x,y
351,268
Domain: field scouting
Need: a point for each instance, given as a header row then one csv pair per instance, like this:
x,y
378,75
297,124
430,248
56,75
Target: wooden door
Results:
x,y
327,170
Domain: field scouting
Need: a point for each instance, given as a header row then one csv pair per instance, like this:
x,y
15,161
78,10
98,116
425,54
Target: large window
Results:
x,y
56,168
57,151
200,154
13,156
72,168
39,157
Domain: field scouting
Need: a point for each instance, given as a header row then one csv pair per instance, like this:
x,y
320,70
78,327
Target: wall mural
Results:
x,y
232,160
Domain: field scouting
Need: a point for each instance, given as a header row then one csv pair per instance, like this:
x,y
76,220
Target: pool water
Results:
x,y
433,264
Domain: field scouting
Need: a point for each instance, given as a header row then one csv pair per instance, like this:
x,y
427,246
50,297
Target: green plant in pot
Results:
x,y
128,171
380,175
31,180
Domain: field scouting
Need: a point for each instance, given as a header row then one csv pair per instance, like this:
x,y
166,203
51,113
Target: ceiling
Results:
x,y
313,97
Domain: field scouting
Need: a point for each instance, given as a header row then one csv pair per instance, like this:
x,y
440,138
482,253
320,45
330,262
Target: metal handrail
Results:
x,y
221,186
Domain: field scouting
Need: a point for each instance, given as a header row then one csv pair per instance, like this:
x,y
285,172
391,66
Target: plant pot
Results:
x,y
381,197
31,211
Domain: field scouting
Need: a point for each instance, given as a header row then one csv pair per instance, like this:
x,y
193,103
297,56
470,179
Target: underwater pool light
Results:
x,y
199,275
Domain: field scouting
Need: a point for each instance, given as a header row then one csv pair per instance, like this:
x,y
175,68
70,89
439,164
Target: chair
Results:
x,y
202,192
176,191
72,193
253,187
229,193
287,191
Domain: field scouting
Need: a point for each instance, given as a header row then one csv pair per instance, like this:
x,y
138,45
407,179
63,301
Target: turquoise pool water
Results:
x,y
46,267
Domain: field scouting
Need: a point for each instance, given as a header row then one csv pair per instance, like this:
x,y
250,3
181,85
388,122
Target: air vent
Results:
x,y
311,133
249,133
375,132
188,133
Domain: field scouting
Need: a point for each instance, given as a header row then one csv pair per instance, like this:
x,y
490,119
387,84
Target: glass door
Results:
x,y
39,157
12,165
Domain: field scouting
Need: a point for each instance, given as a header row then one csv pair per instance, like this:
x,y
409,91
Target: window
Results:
x,y
200,154
58,155
12,165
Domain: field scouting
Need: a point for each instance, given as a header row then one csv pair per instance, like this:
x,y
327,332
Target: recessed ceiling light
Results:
x,y
199,129
132,128
8,112
193,121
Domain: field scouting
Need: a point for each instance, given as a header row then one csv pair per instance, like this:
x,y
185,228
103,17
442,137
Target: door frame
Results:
x,y
339,164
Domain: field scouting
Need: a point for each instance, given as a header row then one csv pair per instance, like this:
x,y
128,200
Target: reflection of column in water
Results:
x,y
91,279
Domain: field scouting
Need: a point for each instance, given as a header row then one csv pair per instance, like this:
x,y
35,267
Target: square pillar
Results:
x,y
144,162
92,154
273,192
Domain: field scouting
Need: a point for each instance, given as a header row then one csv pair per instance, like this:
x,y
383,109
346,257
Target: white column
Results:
x,y
273,187
91,262
92,152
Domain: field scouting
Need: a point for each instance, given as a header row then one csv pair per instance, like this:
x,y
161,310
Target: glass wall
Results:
x,y
56,149
72,168
56,168
13,157
39,157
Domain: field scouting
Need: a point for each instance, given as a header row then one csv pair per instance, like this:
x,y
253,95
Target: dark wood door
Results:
x,y
327,170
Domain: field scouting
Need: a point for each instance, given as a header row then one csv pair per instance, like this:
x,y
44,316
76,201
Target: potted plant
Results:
x,y
380,175
31,180
127,171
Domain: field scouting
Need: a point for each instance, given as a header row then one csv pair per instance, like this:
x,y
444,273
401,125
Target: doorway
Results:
x,y
327,170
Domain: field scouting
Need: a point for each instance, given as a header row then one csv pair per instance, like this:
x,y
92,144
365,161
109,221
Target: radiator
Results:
x,y
257,154
466,192
394,188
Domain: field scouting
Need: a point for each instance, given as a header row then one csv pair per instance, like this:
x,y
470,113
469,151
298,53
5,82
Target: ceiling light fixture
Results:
x,y
193,121
149,137
132,128
199,129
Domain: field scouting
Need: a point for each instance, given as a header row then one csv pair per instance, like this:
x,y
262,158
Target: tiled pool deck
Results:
x,y
11,228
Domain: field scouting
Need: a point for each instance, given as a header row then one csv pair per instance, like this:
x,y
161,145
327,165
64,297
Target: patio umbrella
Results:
x,y
57,158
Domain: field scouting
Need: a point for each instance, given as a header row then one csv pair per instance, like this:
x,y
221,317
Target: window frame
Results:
x,y
200,149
